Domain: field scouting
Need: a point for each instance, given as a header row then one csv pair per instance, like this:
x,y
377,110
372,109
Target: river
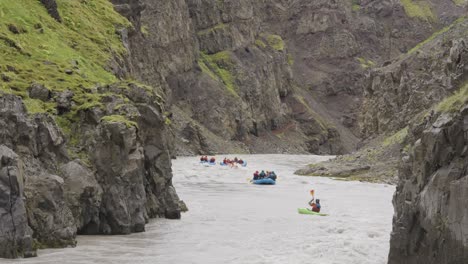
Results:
x,y
232,221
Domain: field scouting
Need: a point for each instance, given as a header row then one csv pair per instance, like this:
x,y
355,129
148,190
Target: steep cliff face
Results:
x,y
281,71
335,43
427,74
227,77
83,148
430,221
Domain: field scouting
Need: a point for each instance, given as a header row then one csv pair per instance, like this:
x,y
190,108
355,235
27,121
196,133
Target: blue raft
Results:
x,y
243,164
265,181
208,163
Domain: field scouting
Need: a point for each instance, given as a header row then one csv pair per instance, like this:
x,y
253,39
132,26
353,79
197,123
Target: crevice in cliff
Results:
x,y
11,207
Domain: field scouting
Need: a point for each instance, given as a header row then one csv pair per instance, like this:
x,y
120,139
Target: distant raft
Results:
x,y
265,181
243,164
207,163
309,212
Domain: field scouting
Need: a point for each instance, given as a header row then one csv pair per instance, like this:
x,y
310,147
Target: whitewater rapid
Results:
x,y
232,221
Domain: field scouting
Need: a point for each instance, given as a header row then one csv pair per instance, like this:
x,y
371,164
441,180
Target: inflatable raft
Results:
x,y
224,164
309,212
266,181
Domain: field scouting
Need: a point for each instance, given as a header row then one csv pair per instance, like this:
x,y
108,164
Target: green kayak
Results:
x,y
307,211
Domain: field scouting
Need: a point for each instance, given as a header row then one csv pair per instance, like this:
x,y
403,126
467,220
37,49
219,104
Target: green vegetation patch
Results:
x,y
144,30
35,106
455,102
397,138
365,63
69,55
217,27
438,33
260,43
119,119
355,5
276,42
290,59
460,2
418,9
220,66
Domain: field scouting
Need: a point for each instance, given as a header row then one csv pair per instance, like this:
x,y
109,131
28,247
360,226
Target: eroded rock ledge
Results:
x,y
118,179
430,224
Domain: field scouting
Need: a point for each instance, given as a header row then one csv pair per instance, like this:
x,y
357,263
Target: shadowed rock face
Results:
x,y
431,221
16,235
430,224
51,7
395,94
123,180
249,75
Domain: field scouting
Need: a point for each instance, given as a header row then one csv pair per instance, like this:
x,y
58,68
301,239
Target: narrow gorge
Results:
x,y
97,97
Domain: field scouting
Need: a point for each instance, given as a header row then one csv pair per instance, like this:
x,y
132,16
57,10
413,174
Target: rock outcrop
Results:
x,y
16,236
263,60
120,178
430,72
431,221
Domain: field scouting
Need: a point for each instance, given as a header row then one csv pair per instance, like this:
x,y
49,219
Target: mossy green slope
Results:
x,y
70,55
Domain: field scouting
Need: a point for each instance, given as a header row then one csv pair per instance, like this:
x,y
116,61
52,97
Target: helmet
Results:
x,y
312,191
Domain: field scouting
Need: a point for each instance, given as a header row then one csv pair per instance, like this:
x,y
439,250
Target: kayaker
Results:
x,y
315,206
262,174
255,176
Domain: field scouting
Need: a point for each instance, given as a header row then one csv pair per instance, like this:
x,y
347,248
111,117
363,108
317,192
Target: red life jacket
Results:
x,y
315,208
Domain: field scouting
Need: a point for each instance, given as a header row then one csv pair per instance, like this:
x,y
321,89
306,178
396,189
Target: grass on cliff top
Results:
x,y
212,29
119,119
45,49
220,66
455,102
460,2
438,33
397,138
274,41
420,9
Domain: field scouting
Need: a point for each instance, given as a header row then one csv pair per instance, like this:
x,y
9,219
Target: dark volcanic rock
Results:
x,y
51,7
15,233
123,180
48,213
431,221
396,93
39,91
83,195
119,161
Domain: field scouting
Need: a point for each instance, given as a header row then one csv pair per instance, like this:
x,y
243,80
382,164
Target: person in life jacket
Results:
x,y
272,175
236,160
202,158
212,160
262,175
316,206
256,175
241,162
